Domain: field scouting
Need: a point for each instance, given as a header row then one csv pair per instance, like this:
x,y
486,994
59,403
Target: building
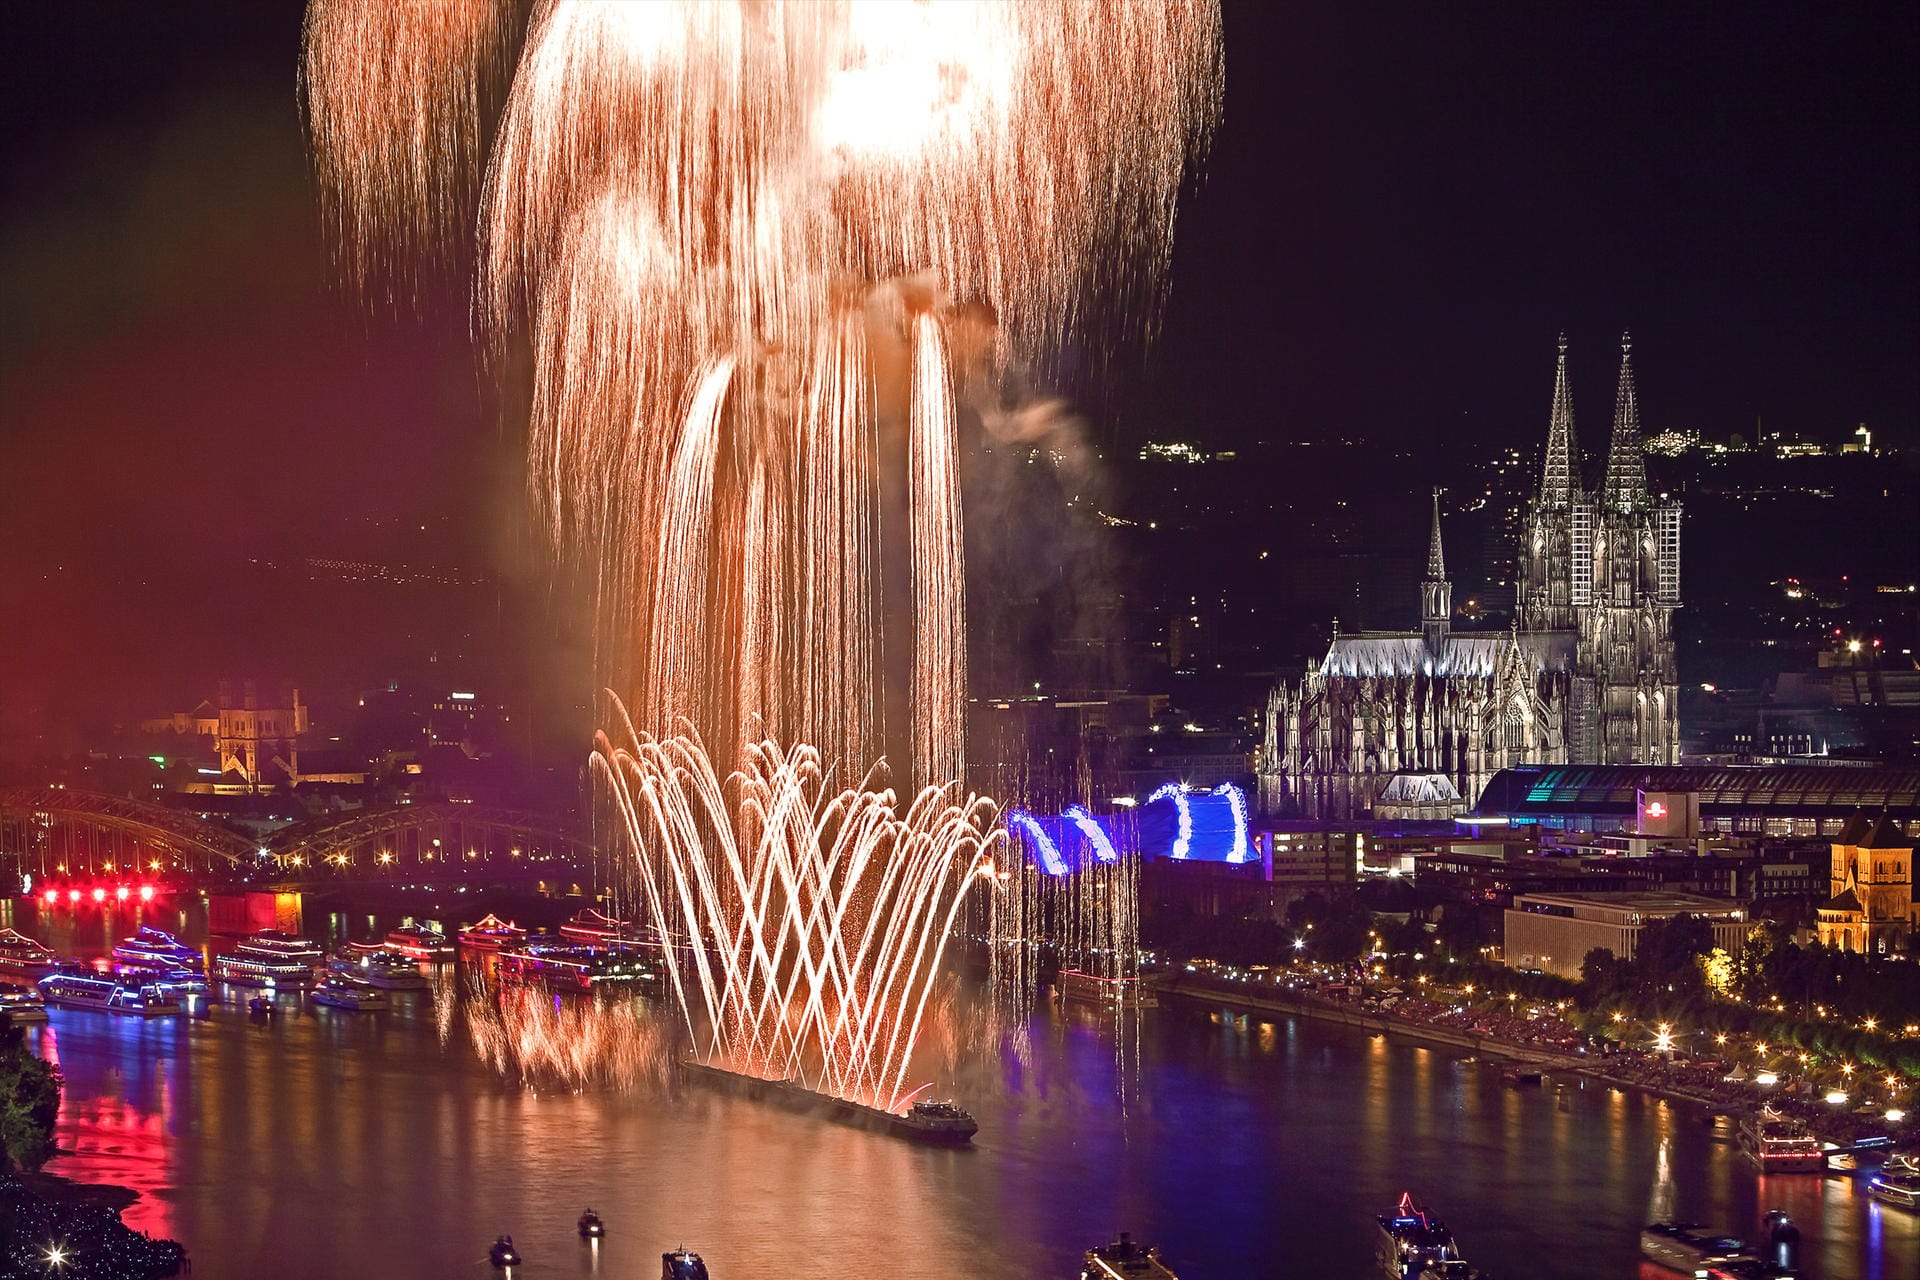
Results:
x,y
1587,674
256,746
1554,932
1803,801
1871,909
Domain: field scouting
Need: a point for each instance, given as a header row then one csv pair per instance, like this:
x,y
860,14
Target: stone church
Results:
x,y
1586,674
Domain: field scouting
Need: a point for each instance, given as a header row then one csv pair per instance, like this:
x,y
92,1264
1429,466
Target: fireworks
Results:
x,y
708,219
804,928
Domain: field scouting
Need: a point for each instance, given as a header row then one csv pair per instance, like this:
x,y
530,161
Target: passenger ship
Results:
x,y
1780,1144
1413,1245
1898,1184
22,957
87,991
151,948
1688,1248
1093,988
420,942
268,959
1125,1259
18,1006
572,966
387,970
339,992
599,927
492,934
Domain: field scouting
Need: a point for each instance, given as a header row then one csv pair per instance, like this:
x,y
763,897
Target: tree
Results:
x,y
1604,976
29,1102
1666,961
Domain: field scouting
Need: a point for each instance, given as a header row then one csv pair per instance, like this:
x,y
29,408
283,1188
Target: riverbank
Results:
x,y
50,1225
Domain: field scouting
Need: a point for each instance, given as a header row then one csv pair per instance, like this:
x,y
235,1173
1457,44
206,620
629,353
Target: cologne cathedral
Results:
x,y
1414,723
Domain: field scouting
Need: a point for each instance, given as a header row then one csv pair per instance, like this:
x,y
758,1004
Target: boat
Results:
x,y
420,942
575,966
20,1007
387,970
97,991
1687,1247
1778,1143
24,957
1521,1074
1131,992
261,1006
591,1228
503,1254
598,926
152,948
1124,1259
682,1264
942,1123
1897,1184
491,934
1412,1241
339,992
283,946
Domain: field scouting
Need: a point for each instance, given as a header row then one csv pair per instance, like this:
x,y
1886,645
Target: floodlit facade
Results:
x,y
1586,675
1553,932
1871,909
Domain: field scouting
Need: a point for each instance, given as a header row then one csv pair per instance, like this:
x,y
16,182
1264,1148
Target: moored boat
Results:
x,y
597,926
151,948
575,966
1686,1247
1778,1143
110,995
1124,1259
387,970
18,1007
420,942
282,946
339,992
1131,992
269,959
1897,1184
491,934
1413,1241
24,957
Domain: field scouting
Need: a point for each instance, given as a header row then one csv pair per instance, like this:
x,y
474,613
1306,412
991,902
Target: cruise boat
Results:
x,y
387,970
1412,1240
574,966
682,1264
91,991
19,1007
1092,988
1778,1143
344,993
283,946
598,926
420,942
492,934
152,948
1688,1248
1125,1259
1898,1184
23,957
931,1121
245,970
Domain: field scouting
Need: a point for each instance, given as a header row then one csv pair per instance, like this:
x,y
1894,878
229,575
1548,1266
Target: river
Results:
x,y
327,1143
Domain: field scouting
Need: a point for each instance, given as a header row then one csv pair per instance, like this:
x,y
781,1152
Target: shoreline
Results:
x,y
1203,991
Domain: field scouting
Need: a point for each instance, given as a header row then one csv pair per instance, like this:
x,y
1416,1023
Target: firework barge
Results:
x,y
940,1123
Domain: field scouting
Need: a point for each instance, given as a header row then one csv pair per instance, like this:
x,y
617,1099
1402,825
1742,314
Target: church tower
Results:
x,y
1626,682
1559,528
1436,593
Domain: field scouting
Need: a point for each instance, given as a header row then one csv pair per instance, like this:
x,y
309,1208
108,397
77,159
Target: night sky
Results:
x,y
1402,207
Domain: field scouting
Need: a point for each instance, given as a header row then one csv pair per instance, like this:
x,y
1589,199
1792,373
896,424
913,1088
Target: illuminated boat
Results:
x,y
1688,1248
1898,1184
1779,1143
111,995
941,1123
492,934
1125,1259
18,1007
283,946
682,1264
420,942
385,969
571,966
598,926
344,993
591,1228
23,957
1413,1241
153,948
503,1254
1097,989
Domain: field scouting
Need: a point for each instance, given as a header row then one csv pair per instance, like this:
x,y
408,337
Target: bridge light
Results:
x,y
146,893
99,895
53,895
385,857
154,865
121,893
73,895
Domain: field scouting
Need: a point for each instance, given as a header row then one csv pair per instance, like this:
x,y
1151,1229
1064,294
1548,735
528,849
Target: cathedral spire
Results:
x,y
1436,561
1560,477
1626,484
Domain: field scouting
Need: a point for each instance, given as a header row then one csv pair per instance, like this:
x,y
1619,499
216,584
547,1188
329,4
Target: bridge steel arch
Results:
x,y
93,833
457,836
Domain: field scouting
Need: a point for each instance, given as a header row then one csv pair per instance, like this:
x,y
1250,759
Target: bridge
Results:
x,y
57,833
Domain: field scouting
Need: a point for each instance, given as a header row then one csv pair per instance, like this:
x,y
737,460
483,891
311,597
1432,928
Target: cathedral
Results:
x,y
1585,675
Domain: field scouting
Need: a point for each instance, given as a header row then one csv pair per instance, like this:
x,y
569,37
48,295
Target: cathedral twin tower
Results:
x,y
1416,723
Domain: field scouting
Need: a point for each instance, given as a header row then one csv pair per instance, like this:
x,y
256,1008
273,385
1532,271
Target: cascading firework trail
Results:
x,y
803,929
713,222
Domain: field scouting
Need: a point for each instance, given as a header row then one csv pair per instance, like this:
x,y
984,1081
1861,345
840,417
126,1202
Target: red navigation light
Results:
x,y
121,893
53,895
73,895
1656,810
146,893
99,895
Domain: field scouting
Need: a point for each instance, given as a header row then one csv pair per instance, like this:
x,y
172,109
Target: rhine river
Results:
x,y
328,1143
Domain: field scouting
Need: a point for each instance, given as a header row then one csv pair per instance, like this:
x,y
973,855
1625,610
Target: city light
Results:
x,y
1836,1097
146,893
